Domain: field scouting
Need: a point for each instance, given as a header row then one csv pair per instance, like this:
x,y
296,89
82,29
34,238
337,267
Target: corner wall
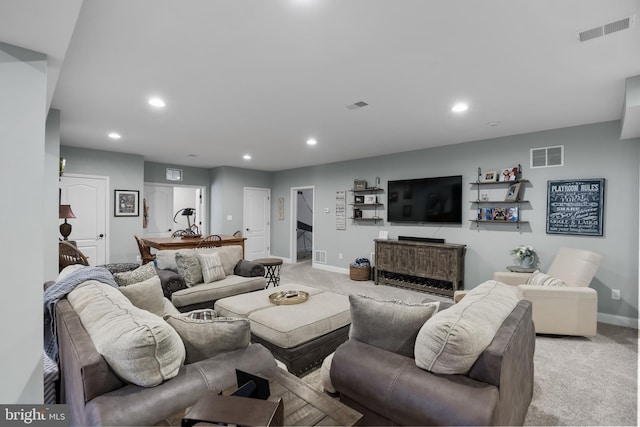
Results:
x,y
591,151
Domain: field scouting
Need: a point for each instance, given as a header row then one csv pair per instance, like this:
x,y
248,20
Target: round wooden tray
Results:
x,y
280,298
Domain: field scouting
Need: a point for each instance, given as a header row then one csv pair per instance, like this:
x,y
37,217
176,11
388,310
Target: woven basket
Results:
x,y
359,273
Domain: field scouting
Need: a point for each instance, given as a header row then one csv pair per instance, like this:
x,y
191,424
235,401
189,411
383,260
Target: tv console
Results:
x,y
425,266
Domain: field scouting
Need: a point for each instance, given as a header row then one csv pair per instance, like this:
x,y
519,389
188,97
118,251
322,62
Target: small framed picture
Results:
x,y
357,213
512,192
512,214
359,184
369,199
488,214
126,203
488,176
358,199
509,174
499,214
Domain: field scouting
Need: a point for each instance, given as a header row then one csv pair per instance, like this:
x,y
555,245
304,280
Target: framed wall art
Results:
x,y
126,203
512,192
576,206
488,176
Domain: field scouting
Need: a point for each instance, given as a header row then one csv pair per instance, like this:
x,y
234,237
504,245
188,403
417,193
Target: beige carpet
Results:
x,y
578,381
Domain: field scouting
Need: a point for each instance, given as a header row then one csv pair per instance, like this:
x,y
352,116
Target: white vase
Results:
x,y
526,262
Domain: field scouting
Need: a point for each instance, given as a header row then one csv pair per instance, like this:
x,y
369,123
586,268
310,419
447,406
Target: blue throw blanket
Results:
x,y
59,290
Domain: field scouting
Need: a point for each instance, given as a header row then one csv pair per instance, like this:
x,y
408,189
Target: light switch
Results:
x,y
229,218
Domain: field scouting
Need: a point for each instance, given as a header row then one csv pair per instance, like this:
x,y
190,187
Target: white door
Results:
x,y
87,196
256,222
159,199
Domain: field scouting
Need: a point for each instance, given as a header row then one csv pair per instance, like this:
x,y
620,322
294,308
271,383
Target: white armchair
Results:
x,y
562,310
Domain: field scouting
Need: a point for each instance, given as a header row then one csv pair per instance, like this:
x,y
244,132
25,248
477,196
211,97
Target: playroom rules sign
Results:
x,y
575,206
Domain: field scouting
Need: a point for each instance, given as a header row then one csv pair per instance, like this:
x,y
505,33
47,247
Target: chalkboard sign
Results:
x,y
575,206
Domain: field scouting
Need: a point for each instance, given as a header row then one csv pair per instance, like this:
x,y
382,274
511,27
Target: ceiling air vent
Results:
x,y
357,105
547,157
603,30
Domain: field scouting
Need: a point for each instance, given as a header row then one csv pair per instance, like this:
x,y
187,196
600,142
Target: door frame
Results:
x,y
267,219
107,205
293,242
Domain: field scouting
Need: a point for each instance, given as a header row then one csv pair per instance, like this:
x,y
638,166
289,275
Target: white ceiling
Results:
x,y
262,76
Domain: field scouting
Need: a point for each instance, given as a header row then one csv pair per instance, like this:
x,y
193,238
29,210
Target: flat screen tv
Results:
x,y
425,200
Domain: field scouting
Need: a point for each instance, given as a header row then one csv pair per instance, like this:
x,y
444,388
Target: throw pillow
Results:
x,y
541,279
204,338
246,268
139,346
211,267
390,325
146,295
138,275
166,260
171,282
189,267
452,340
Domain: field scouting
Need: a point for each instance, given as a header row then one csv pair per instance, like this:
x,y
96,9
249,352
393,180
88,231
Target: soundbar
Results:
x,y
421,239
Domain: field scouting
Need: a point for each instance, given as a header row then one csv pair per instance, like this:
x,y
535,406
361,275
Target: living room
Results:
x,y
592,149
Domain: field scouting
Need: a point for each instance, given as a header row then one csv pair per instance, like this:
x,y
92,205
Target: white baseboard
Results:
x,y
612,319
330,268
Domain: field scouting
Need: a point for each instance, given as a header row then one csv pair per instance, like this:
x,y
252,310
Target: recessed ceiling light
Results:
x,y
115,135
311,141
493,124
192,155
156,102
246,157
460,107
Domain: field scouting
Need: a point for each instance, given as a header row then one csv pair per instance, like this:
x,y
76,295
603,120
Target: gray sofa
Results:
x,y
241,276
96,395
390,389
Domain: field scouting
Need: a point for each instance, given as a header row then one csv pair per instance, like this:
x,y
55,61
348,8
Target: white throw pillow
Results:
x,y
541,279
212,269
139,346
146,295
451,341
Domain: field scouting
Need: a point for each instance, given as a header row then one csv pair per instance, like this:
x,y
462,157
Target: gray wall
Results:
x,y
227,195
23,85
125,172
52,196
591,151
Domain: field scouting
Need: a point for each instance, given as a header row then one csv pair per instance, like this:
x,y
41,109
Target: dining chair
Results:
x,y
145,251
68,254
210,241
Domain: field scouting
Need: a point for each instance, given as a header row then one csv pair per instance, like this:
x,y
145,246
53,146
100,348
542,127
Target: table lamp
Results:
x,y
65,227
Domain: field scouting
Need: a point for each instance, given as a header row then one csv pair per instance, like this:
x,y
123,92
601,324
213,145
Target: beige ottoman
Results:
x,y
299,335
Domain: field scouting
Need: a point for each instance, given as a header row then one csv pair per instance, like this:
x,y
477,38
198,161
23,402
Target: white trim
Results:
x,y
613,319
330,268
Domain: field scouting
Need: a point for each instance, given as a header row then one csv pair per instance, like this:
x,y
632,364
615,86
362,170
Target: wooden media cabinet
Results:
x,y
424,266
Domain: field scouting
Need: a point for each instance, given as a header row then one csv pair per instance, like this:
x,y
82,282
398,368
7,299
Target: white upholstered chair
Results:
x,y
562,310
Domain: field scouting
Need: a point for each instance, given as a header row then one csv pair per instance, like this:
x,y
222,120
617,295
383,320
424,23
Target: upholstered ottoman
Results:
x,y
299,335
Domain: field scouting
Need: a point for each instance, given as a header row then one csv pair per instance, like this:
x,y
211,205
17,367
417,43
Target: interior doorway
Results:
x,y
167,208
302,225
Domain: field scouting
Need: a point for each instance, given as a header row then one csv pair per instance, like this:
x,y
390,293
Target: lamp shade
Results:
x,y
66,212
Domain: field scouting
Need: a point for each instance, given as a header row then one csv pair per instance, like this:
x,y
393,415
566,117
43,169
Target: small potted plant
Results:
x,y
526,255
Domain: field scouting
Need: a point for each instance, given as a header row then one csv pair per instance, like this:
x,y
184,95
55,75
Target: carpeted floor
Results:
x,y
578,381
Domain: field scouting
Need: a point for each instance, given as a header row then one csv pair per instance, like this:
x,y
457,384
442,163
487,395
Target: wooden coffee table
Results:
x,y
303,405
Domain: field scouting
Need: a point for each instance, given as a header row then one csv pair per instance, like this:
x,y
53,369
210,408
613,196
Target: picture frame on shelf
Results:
x,y
358,199
509,174
512,214
357,213
499,214
488,214
512,192
488,176
370,199
359,184
126,203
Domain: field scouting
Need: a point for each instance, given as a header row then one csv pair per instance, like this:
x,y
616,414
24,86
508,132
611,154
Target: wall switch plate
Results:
x,y
615,293
229,218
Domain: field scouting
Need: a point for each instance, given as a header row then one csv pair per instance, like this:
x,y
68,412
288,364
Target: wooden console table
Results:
x,y
173,243
424,266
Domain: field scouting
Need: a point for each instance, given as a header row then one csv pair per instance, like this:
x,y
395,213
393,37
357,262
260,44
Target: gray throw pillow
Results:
x,y
146,295
204,338
390,325
140,274
189,267
212,270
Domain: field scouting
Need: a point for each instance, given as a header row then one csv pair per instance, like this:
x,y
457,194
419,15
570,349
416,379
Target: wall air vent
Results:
x,y
546,157
320,257
603,30
357,105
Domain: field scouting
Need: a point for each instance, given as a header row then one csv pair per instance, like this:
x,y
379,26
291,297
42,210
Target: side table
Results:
x,y
518,269
271,270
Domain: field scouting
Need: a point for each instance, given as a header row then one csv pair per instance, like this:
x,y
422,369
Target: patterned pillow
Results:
x,y
538,278
390,325
189,267
204,338
140,274
212,269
